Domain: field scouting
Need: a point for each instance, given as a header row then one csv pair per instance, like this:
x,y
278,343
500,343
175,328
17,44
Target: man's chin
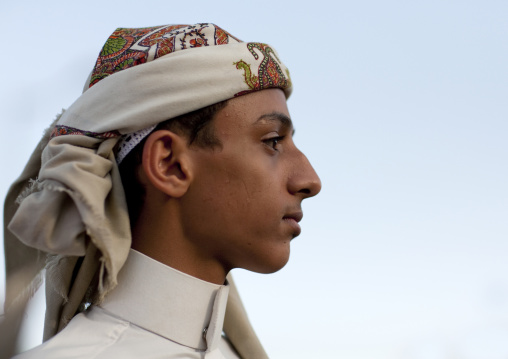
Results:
x,y
270,264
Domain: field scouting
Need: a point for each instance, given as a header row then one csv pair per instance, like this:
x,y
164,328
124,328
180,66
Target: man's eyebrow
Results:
x,y
278,117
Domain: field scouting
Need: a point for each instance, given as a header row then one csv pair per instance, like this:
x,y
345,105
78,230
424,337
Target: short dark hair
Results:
x,y
196,126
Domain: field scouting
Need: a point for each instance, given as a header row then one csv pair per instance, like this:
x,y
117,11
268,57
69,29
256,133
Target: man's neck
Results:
x,y
164,241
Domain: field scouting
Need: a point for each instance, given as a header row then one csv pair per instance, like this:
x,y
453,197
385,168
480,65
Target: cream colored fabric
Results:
x,y
132,322
72,204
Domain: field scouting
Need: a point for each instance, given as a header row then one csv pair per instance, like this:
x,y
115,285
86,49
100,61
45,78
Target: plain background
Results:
x,y
400,106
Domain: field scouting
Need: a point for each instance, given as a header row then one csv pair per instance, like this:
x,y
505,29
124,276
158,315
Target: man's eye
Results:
x,y
273,142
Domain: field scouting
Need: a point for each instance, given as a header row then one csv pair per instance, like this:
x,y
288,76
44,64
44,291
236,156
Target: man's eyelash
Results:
x,y
273,142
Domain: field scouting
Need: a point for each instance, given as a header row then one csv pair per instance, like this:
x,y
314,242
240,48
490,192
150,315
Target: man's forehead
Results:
x,y
258,108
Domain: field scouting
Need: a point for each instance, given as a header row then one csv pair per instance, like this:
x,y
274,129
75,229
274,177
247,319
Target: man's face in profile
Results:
x,y
244,204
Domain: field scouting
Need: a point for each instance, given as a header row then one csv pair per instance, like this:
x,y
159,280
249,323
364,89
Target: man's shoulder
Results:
x,y
86,336
99,335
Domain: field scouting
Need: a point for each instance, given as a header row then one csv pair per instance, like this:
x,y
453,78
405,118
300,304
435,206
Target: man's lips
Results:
x,y
292,219
297,216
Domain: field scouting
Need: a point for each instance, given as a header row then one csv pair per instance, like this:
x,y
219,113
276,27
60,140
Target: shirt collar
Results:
x,y
167,302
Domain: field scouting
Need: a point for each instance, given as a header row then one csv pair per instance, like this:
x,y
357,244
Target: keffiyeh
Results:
x,y
70,200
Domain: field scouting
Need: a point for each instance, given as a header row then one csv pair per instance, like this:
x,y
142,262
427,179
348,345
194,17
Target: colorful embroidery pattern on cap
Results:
x,y
60,130
126,48
269,73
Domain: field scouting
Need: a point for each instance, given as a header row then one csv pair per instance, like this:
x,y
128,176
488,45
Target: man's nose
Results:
x,y
304,180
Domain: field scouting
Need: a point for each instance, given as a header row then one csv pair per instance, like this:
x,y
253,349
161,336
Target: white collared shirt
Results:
x,y
154,312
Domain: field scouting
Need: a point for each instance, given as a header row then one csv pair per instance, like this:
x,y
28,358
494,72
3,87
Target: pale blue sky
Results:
x,y
400,106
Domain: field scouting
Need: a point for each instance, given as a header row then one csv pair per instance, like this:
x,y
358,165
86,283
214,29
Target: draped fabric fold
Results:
x,y
76,206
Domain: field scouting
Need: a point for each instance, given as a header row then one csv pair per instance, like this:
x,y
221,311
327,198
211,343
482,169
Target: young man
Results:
x,y
175,166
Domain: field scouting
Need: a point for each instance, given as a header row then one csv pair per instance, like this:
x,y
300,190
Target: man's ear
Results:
x,y
165,163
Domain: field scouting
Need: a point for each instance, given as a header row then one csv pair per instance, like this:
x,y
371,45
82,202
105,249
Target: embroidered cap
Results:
x,y
126,47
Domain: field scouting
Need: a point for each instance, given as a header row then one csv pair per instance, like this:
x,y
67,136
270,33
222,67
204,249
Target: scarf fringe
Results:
x,y
34,185
54,275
